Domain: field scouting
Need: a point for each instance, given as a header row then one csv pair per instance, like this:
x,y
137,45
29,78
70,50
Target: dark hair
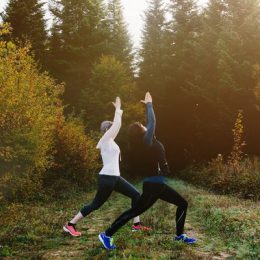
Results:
x,y
136,148
136,133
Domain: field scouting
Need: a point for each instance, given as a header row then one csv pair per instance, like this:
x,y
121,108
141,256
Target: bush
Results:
x,y
37,145
29,105
221,177
76,159
238,175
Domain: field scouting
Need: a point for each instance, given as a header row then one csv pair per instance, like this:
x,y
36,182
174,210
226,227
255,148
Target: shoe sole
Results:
x,y
188,243
67,231
192,243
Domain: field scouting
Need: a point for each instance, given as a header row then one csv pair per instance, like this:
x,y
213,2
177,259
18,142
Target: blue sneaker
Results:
x,y
106,241
184,238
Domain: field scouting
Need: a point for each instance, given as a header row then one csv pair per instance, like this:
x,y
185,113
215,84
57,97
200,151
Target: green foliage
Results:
x,y
35,137
78,39
5,251
231,220
236,155
154,50
119,42
82,32
75,159
28,24
201,66
242,180
29,105
184,30
109,79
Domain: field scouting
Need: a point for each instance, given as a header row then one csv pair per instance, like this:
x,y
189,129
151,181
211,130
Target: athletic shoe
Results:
x,y
72,230
140,227
106,241
184,238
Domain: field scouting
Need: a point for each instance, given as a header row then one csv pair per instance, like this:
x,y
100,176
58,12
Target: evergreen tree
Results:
x,y
244,17
230,49
27,21
55,55
214,52
119,42
81,31
182,34
184,31
153,51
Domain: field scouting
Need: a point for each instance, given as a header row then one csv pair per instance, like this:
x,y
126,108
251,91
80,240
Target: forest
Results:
x,y
57,84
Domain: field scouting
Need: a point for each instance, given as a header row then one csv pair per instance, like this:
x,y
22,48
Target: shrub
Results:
x,y
37,145
75,156
238,175
29,105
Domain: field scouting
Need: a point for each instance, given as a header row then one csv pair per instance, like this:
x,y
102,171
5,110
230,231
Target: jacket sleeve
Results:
x,y
151,122
112,132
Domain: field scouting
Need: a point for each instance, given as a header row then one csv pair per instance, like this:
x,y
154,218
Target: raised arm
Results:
x,y
150,119
112,132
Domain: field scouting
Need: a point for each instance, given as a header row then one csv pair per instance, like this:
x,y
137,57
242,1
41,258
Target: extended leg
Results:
x,y
105,188
170,195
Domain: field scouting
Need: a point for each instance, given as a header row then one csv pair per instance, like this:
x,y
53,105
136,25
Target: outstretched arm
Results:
x,y
112,132
150,119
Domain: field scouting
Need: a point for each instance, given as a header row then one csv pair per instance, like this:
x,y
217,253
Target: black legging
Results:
x,y
152,192
106,184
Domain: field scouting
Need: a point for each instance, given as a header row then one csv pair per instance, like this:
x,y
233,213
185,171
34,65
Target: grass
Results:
x,y
227,228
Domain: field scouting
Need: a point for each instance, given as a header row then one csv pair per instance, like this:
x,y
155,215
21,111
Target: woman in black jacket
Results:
x,y
153,161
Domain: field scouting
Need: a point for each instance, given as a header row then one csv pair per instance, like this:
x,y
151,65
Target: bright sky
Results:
x,y
133,12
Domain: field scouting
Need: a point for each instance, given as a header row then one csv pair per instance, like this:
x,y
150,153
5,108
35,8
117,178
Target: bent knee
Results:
x,y
135,197
184,204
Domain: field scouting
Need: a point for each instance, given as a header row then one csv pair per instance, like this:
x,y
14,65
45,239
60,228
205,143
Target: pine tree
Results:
x,y
27,21
55,55
213,48
153,50
184,31
230,49
244,19
81,31
119,42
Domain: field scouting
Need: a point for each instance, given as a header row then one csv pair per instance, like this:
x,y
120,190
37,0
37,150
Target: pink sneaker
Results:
x,y
140,227
72,230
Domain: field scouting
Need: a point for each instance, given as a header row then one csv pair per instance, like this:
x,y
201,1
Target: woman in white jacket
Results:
x,y
109,176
